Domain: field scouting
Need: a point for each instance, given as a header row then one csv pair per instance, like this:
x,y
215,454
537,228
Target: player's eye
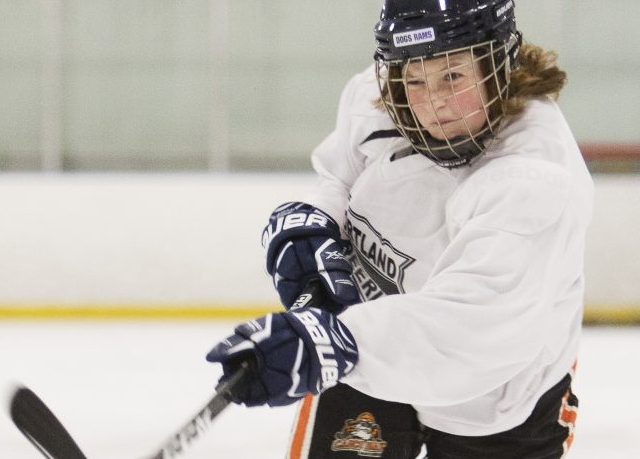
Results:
x,y
453,76
415,82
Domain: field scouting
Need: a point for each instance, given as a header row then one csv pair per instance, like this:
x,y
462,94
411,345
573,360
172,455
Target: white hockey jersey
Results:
x,y
473,277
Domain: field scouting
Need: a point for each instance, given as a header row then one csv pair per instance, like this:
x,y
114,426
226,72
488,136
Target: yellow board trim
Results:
x,y
594,315
612,315
137,312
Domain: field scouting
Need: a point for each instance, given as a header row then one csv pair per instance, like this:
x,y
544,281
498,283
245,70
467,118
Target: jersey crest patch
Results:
x,y
361,435
378,267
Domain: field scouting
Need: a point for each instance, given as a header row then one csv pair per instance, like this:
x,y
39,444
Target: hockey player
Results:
x,y
456,319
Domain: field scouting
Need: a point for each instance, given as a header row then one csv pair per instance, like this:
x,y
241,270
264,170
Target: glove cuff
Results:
x,y
330,344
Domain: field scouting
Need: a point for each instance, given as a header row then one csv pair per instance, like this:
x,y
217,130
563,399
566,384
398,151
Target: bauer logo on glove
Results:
x,y
304,244
292,354
295,215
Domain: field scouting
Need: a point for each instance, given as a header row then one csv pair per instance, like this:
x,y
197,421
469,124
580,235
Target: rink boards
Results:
x,y
187,246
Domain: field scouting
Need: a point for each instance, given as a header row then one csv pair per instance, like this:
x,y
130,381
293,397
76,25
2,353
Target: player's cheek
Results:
x,y
424,113
469,101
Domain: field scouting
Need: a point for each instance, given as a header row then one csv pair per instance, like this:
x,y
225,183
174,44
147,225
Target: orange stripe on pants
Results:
x,y
300,429
567,418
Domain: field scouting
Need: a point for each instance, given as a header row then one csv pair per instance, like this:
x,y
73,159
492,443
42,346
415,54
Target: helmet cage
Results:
x,y
494,61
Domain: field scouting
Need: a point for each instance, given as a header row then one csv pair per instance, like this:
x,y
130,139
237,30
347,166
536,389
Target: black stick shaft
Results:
x,y
196,426
313,295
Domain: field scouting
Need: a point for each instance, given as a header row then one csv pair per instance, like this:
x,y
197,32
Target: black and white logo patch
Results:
x,y
378,267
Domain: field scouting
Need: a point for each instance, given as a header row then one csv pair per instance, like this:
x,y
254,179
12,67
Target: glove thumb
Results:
x,y
233,348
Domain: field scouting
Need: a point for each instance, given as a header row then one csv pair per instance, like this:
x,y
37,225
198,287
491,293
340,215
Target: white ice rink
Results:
x,y
122,388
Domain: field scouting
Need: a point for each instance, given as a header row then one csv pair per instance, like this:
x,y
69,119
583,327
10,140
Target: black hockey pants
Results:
x,y
345,424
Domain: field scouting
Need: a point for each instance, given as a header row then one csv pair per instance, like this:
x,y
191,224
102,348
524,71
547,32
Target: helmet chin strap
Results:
x,y
457,151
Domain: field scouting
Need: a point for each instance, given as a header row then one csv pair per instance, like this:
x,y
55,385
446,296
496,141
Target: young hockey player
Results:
x,y
454,323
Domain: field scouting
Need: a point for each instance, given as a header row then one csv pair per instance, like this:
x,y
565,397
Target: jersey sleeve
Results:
x,y
486,311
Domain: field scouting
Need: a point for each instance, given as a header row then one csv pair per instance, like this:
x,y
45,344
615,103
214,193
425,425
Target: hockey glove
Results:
x,y
292,354
303,244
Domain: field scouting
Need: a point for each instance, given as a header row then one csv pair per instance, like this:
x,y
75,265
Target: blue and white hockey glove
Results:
x,y
303,244
292,354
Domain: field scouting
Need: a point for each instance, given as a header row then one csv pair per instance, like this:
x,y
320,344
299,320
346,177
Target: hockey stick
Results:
x,y
181,440
43,429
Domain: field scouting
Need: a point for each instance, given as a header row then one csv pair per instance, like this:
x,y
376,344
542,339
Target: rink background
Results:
x,y
122,387
214,85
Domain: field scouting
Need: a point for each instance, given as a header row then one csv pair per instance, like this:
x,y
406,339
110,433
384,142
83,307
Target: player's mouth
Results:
x,y
442,123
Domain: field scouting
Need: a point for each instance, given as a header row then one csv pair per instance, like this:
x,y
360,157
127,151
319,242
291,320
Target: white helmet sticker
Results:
x,y
415,37
504,8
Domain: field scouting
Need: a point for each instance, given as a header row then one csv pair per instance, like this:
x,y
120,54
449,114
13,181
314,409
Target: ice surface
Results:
x,y
122,387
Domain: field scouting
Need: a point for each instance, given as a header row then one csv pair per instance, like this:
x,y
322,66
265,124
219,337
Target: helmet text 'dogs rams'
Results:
x,y
443,68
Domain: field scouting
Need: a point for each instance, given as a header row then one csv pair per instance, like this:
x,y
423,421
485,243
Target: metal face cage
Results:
x,y
456,134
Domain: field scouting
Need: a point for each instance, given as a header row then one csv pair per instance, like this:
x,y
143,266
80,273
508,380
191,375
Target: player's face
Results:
x,y
447,94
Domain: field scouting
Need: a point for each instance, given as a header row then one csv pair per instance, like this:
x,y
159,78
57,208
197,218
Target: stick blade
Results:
x,y
41,427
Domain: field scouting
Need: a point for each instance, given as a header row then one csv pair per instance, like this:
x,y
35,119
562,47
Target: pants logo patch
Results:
x,y
361,435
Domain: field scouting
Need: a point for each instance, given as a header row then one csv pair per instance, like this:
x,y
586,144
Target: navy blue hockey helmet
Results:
x,y
411,31
413,28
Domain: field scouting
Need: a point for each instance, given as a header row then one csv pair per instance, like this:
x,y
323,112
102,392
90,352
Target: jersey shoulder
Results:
x,y
361,92
371,130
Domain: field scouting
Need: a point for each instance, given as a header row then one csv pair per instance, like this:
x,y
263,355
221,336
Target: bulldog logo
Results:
x,y
360,435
